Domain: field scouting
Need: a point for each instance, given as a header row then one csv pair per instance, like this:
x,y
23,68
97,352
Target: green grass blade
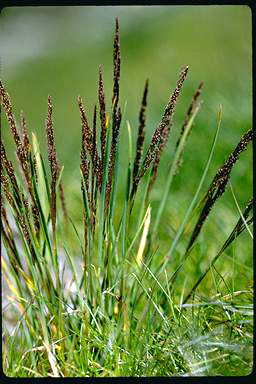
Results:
x,y
240,212
150,298
239,228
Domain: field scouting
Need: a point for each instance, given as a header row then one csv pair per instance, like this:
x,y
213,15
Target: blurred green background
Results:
x,y
57,51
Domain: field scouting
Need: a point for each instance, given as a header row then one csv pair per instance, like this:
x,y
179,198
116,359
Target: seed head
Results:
x,y
219,184
141,133
116,63
102,121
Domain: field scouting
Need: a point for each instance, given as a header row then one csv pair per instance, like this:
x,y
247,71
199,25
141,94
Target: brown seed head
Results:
x,y
116,63
219,184
84,166
50,139
190,110
161,133
102,121
112,158
25,135
141,133
86,131
7,165
163,129
6,103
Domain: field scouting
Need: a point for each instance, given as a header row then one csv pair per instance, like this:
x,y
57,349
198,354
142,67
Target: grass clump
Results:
x,y
120,314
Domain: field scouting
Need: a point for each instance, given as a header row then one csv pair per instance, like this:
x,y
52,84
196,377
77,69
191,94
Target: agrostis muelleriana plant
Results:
x,y
112,292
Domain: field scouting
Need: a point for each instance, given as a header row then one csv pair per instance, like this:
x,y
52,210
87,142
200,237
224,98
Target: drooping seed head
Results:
x,y
219,184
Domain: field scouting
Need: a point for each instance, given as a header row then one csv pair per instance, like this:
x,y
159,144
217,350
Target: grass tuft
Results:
x,y
104,295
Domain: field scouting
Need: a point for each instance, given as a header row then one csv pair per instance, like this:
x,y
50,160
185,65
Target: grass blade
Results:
x,y
241,225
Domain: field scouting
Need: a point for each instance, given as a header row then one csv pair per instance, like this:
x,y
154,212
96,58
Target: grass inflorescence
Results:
x,y
123,316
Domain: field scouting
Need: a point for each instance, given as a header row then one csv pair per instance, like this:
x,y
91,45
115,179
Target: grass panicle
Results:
x,y
6,103
25,136
7,192
116,64
185,131
21,150
94,144
52,157
219,184
85,168
116,114
141,134
14,197
95,170
86,130
115,136
161,133
190,110
8,166
102,107
87,142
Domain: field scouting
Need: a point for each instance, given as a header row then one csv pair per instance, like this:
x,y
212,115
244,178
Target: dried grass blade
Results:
x,y
143,237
